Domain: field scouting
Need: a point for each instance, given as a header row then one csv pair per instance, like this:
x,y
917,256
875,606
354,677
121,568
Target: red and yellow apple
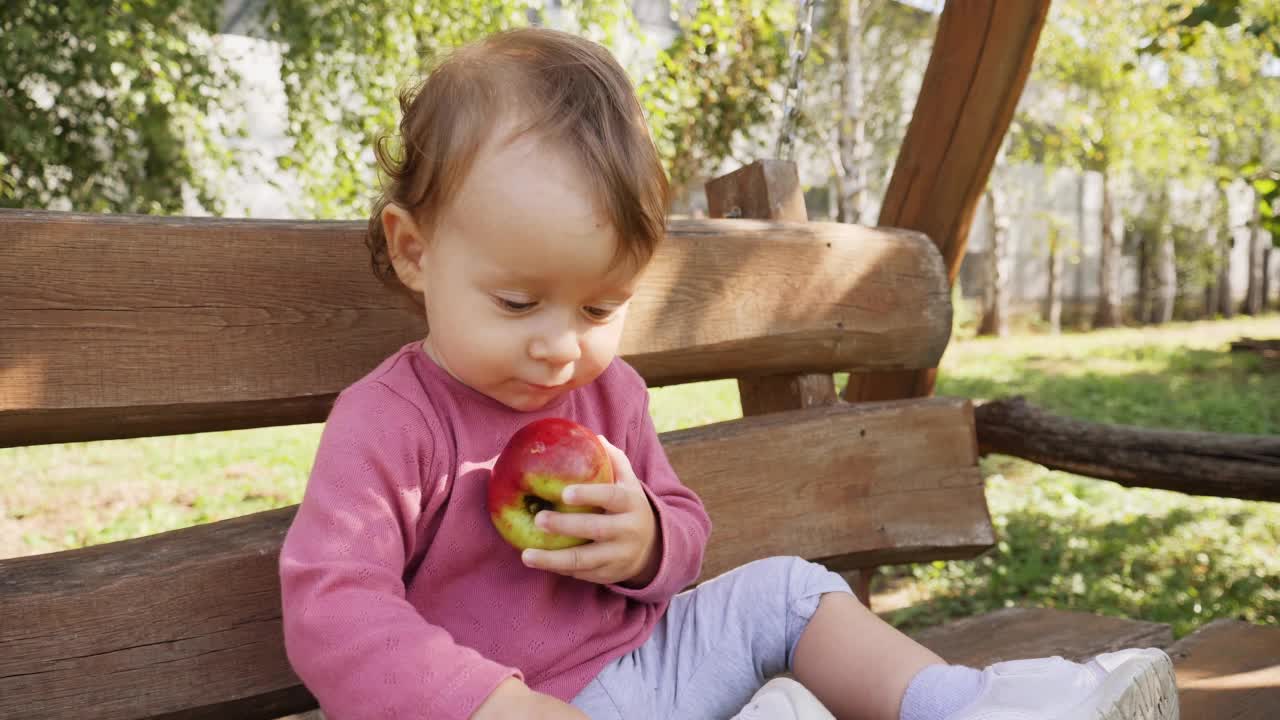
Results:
x,y
530,475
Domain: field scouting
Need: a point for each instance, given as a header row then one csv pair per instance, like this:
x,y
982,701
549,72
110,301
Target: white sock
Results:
x,y
938,691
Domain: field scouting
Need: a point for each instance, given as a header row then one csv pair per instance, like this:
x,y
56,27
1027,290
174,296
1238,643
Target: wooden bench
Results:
x,y
120,327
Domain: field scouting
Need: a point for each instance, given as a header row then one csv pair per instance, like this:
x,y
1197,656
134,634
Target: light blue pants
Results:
x,y
716,645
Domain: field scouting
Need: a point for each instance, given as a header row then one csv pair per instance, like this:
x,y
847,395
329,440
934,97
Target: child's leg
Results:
x,y
860,667
856,663
718,643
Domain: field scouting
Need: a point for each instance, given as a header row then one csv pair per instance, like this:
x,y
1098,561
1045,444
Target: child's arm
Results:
x,y
350,633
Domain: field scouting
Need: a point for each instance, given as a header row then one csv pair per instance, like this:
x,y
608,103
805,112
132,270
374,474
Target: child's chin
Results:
x,y
526,404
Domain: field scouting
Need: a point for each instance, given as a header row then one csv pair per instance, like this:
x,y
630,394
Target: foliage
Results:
x,y
1267,186
1093,104
716,82
344,64
106,109
1256,18
346,60
1223,57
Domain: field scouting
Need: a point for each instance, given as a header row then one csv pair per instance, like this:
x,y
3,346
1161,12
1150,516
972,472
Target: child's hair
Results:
x,y
566,89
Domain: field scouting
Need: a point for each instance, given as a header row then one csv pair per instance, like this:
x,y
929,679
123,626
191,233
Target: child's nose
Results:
x,y
557,347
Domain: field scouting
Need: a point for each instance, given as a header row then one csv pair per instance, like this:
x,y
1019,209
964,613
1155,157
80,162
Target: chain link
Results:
x,y
793,95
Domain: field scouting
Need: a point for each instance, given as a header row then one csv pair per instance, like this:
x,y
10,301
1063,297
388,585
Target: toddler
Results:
x,y
525,199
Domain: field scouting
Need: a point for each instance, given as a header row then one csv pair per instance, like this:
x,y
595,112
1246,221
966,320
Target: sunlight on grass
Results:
x,y
1081,544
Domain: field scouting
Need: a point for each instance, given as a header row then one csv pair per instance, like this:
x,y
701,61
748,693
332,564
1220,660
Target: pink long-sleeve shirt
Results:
x,y
399,597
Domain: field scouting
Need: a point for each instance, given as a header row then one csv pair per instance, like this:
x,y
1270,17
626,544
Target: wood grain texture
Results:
x,y
1015,633
851,485
769,190
186,624
1229,670
115,326
1197,463
981,56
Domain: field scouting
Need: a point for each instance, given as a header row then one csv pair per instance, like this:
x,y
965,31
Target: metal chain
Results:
x,y
793,95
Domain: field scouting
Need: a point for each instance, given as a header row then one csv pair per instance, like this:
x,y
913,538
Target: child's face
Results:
x,y
522,302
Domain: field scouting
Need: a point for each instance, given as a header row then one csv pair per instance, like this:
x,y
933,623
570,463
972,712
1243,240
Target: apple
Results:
x,y
530,475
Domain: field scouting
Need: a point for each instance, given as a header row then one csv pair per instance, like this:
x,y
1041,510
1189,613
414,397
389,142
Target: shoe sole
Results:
x,y
1142,688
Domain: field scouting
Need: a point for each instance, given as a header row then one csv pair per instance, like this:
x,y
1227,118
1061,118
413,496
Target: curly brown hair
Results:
x,y
567,89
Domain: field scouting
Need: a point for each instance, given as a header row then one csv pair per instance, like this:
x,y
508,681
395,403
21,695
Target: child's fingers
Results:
x,y
588,526
613,497
580,559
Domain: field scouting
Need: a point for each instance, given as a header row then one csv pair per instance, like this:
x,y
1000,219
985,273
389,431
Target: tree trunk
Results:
x,y
851,139
1254,299
1145,281
1197,463
1167,279
995,316
1267,253
1159,271
1053,303
1108,310
1225,305
1080,298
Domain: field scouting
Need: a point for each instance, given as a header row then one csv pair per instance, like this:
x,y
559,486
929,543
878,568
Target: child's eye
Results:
x,y
598,313
512,305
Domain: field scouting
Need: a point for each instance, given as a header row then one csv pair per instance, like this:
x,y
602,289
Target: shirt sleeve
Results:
x,y
683,523
350,633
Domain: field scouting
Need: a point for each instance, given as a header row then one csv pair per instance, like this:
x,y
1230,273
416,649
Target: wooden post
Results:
x,y
981,57
770,190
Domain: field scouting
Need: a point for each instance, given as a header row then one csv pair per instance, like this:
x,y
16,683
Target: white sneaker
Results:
x,y
1135,684
784,699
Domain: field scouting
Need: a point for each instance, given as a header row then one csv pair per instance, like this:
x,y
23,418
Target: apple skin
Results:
x,y
530,475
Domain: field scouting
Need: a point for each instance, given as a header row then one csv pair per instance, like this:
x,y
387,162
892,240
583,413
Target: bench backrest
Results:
x,y
119,327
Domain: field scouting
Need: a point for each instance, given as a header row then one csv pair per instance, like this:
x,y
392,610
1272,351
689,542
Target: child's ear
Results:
x,y
406,245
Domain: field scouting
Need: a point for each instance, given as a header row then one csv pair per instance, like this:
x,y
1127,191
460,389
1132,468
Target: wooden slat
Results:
x,y
111,325
1015,633
849,485
1229,669
981,56
187,620
186,624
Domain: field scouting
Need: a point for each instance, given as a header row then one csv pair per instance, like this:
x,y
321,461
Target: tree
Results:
x,y
715,87
108,109
1217,53
344,63
871,54
346,60
995,310
1097,105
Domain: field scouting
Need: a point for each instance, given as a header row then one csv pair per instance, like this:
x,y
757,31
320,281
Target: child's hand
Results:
x,y
625,536
514,699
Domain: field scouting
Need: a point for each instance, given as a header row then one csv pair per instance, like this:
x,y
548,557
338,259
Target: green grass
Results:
x,y
1065,541
1076,543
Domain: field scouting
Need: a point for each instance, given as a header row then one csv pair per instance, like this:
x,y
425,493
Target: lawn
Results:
x,y
1065,541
